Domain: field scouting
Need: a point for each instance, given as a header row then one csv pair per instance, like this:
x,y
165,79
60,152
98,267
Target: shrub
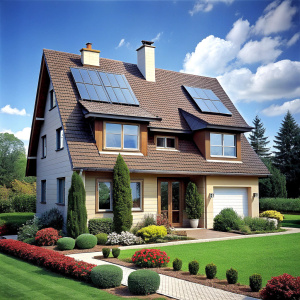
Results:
x,y
280,204
162,220
104,225
5,206
105,252
194,202
66,243
272,214
177,264
77,215
30,241
148,220
152,232
227,220
232,276
257,224
86,241
125,238
150,258
115,252
193,267
106,276
29,230
46,237
211,271
143,282
101,238
255,282
3,228
24,203
245,229
52,218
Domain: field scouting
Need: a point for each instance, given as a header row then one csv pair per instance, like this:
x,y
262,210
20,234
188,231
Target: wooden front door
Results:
x,y
170,200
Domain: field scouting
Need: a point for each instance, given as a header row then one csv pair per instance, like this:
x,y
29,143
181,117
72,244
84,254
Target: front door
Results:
x,y
170,200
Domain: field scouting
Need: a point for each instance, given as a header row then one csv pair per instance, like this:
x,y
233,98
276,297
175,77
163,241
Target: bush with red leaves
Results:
x,y
150,258
47,237
49,259
282,288
4,229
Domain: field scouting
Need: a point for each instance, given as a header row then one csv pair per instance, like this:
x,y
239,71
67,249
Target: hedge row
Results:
x,y
21,203
280,204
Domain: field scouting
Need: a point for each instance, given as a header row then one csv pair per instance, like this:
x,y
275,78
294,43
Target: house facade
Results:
x,y
170,128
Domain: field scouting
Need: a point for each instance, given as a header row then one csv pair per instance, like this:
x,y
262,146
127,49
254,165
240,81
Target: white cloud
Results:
x,y
157,38
277,17
264,51
293,40
277,110
7,109
239,32
121,43
206,5
23,134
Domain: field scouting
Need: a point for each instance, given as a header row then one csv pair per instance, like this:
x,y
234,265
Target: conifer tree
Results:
x,y
122,198
258,140
77,214
194,202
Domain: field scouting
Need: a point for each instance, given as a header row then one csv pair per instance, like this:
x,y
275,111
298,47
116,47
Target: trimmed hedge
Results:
x,y
101,238
106,276
24,203
66,243
255,282
177,264
86,241
280,204
232,276
193,267
143,282
106,252
116,252
211,271
104,225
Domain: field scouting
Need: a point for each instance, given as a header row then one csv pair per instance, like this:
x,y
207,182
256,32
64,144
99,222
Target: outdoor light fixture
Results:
x,y
255,195
211,195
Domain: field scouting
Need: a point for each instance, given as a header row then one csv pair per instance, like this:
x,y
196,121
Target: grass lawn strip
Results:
x,y
270,256
291,221
19,218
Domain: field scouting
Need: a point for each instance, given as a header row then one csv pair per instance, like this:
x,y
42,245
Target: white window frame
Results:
x,y
141,195
43,191
52,99
59,139
165,142
61,198
44,146
223,146
111,196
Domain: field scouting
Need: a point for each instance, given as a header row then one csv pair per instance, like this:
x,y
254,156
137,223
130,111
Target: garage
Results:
x,y
236,198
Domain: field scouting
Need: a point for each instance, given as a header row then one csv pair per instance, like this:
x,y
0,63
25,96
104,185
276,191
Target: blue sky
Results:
x,y
252,47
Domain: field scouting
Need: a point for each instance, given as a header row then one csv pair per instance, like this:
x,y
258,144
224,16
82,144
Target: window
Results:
x,y
104,195
222,144
52,99
120,136
60,190
136,192
165,142
44,146
43,191
59,139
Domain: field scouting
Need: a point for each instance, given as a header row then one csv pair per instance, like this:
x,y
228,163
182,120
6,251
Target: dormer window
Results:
x,y
165,142
222,145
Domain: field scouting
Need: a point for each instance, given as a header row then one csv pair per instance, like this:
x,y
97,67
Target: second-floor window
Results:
x,y
52,99
59,139
222,145
44,146
165,142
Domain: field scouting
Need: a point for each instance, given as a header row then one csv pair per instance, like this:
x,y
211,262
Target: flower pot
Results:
x,y
194,223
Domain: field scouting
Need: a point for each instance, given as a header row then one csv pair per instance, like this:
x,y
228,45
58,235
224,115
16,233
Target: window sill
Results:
x,y
101,211
60,204
167,149
223,156
225,161
59,149
122,153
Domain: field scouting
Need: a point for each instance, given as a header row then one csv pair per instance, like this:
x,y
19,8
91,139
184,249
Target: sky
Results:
x,y
251,47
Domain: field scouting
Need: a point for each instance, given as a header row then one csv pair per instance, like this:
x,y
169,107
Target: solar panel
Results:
x,y
207,101
101,86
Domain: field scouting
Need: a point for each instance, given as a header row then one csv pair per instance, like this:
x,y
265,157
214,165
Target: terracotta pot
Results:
x,y
194,223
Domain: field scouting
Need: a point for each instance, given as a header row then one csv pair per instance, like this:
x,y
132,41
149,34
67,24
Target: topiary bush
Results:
x,y
106,276
103,225
150,258
255,282
193,267
177,264
232,276
86,241
227,220
52,218
211,271
143,282
46,237
152,232
66,243
101,238
116,252
105,252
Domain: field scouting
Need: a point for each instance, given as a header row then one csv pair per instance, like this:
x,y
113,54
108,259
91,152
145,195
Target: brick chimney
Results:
x,y
146,60
89,56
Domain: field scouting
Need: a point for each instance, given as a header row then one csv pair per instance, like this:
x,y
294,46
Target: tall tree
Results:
x,y
287,156
258,140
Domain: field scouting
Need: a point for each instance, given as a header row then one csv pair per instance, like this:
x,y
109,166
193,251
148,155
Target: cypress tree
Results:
x,y
77,215
258,140
194,202
122,198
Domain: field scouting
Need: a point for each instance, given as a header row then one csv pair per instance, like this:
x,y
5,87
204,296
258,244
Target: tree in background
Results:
x,y
287,156
258,140
122,199
77,214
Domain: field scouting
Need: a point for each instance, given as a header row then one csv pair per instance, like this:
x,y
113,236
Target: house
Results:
x,y
170,128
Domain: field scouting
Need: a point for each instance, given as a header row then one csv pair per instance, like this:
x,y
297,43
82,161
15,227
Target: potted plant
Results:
x,y
194,204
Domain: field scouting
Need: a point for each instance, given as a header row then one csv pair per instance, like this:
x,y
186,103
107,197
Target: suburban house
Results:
x,y
170,128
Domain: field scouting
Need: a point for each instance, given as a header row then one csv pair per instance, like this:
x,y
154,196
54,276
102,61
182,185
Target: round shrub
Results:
x,y
211,271
30,241
143,282
255,282
226,220
177,264
86,241
106,276
105,252
101,238
232,276
152,232
66,243
150,258
115,252
46,237
193,267
272,214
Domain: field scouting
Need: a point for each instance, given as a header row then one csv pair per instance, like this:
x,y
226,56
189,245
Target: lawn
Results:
x,y
270,256
291,221
15,220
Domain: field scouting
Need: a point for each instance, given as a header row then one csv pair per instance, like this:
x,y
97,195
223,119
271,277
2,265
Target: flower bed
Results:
x,y
47,258
150,258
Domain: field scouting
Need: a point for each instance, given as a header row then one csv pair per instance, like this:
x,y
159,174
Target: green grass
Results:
x,y
15,220
270,256
291,221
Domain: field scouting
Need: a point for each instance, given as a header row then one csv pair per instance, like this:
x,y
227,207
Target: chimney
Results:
x,y
146,60
89,56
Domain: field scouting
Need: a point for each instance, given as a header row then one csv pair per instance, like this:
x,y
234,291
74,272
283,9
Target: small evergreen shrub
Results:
x,y
255,282
152,232
24,203
177,264
103,225
86,241
66,243
272,214
52,218
226,220
258,224
115,252
106,276
143,282
232,276
30,241
193,267
28,230
194,202
105,252
101,238
245,229
150,258
211,271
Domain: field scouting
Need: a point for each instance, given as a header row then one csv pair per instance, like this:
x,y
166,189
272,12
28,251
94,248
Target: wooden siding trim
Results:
x,y
98,133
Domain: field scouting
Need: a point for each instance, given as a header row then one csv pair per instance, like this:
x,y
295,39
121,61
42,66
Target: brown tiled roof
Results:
x,y
162,98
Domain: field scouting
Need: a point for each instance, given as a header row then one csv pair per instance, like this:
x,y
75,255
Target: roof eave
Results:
x,y
121,117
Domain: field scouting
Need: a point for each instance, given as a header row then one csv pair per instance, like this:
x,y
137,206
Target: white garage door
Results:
x,y
236,198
